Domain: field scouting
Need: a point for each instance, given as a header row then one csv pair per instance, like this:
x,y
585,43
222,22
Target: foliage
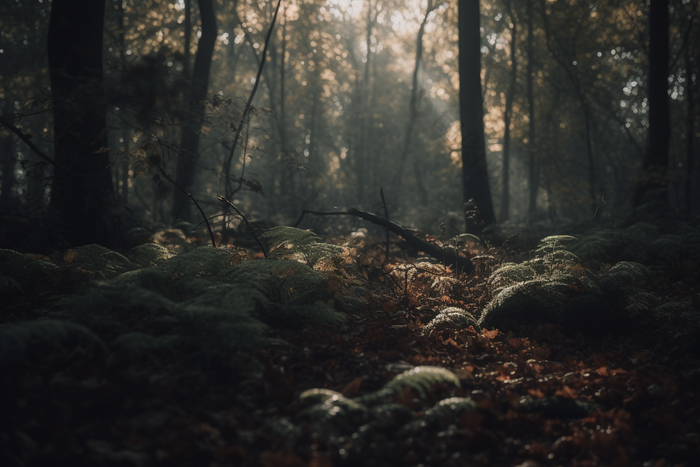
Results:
x,y
421,378
668,243
450,318
289,242
149,254
371,413
207,305
208,329
212,309
553,286
30,339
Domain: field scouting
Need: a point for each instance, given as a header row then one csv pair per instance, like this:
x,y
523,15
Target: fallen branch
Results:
x,y
447,257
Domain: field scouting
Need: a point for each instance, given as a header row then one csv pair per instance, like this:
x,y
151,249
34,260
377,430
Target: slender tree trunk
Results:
x,y
589,148
361,153
187,26
475,177
8,170
654,170
532,163
126,133
575,77
690,122
189,143
283,90
81,196
507,116
416,109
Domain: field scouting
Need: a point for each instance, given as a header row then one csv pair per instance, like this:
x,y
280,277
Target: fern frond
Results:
x,y
556,239
329,405
286,242
525,302
449,408
318,395
31,338
508,274
451,318
99,262
421,379
641,301
149,254
625,273
210,329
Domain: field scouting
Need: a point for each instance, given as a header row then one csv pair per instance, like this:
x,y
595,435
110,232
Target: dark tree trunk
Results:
x,y
690,122
653,174
475,177
507,117
126,131
532,165
8,171
189,143
82,195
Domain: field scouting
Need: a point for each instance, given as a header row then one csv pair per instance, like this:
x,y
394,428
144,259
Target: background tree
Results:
x,y
82,192
194,114
656,159
475,182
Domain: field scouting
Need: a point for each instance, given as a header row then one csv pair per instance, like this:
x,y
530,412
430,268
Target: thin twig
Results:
x,y
246,109
26,138
250,229
189,195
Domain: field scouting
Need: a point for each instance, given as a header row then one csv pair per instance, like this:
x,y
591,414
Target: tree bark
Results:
x,y
533,168
189,143
8,170
690,122
507,117
81,196
655,165
475,181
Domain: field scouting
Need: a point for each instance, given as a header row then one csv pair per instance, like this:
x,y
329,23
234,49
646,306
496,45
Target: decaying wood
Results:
x,y
448,257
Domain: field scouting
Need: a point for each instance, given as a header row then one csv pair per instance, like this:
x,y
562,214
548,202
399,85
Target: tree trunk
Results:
x,y
8,170
81,195
507,117
416,109
653,174
532,165
475,181
690,122
126,131
189,143
361,153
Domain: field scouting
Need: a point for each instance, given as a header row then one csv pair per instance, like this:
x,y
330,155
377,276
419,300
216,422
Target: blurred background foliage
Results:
x,y
327,127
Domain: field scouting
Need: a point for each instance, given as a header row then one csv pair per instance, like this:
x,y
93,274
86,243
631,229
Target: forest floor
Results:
x,y
623,400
